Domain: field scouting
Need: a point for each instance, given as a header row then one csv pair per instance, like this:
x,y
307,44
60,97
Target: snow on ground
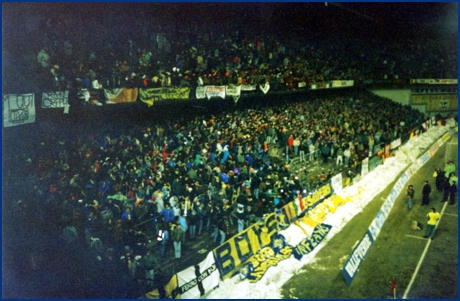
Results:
x,y
362,192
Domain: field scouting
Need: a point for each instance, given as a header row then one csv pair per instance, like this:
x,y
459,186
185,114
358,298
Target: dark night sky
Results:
x,y
369,18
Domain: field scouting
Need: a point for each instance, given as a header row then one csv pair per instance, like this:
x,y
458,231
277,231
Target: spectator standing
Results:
x,y
296,146
201,216
177,236
453,193
290,142
163,236
426,193
440,178
127,218
433,218
325,152
312,149
446,191
452,178
410,196
449,168
223,228
347,154
241,215
302,148
182,220
150,264
339,156
167,213
193,219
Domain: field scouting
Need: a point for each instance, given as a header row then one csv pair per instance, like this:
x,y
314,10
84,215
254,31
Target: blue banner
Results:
x,y
354,261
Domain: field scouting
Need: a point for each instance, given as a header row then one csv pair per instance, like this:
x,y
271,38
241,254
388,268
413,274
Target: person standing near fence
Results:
x,y
347,154
426,193
302,148
410,196
241,215
433,218
296,146
312,149
339,156
150,264
194,219
177,236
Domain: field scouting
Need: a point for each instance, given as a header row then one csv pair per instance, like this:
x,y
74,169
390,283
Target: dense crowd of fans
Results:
x,y
178,55
132,191
126,193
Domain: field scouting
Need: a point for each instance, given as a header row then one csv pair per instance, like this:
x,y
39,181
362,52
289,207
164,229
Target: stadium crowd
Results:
x,y
126,193
178,55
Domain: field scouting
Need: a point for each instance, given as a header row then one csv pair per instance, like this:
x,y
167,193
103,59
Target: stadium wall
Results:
x,y
402,96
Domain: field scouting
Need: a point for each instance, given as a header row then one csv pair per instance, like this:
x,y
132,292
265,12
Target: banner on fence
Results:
x,y
334,202
309,244
150,95
342,83
195,281
90,96
171,287
357,255
434,90
265,258
434,81
200,92
297,206
433,149
248,87
58,99
18,109
336,182
240,248
374,162
264,88
445,137
121,95
437,102
311,200
215,91
233,91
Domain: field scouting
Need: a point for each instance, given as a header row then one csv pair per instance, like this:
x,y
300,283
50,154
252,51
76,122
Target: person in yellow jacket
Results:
x,y
433,218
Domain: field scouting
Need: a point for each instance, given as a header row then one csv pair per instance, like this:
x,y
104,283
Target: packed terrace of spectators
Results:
x,y
73,53
115,190
112,192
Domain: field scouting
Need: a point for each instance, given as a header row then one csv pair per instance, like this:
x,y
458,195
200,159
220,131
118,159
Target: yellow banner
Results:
x,y
321,193
319,213
445,137
170,288
150,95
238,249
